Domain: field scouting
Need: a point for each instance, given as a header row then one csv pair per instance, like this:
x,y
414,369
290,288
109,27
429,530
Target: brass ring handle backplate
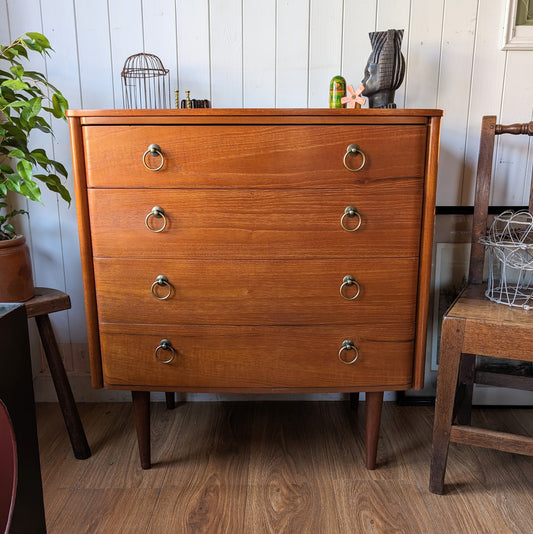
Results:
x,y
158,213
349,281
347,345
161,281
350,212
352,151
165,344
154,151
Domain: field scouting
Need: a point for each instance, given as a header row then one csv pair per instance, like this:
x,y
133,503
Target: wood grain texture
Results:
x,y
247,223
270,157
234,292
224,357
277,467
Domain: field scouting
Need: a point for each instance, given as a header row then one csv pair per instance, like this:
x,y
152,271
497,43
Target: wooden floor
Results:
x,y
293,467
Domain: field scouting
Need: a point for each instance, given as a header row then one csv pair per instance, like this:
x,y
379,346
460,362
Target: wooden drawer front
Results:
x,y
256,292
251,156
258,224
219,358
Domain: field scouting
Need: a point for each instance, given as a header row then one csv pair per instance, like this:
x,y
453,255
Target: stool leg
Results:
x,y
67,404
451,342
374,404
141,411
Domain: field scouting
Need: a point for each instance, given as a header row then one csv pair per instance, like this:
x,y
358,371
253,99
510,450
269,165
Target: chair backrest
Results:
x,y
8,469
489,131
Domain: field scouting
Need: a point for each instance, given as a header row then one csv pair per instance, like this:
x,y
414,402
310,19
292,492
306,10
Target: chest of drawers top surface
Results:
x,y
256,240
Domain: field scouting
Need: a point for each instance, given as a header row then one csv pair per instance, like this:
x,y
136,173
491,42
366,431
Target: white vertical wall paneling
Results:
x,y
259,53
511,186
193,48
125,20
5,37
455,80
325,48
292,53
94,51
62,70
395,14
487,85
159,23
421,86
226,53
359,21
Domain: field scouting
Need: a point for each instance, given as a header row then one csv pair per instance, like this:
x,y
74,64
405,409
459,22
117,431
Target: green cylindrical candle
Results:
x,y
337,90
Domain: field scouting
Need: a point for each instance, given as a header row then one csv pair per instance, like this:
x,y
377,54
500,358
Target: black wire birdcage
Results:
x,y
145,83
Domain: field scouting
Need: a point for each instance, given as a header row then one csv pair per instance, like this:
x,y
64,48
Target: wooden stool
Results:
x,y
44,302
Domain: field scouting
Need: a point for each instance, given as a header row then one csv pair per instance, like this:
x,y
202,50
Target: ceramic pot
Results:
x,y
16,279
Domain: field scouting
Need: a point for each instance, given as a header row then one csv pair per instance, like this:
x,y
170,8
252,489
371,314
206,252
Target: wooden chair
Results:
x,y
474,325
8,469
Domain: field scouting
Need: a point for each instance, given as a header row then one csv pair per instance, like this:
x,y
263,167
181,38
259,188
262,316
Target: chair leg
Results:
x,y
450,356
141,410
67,404
467,369
374,404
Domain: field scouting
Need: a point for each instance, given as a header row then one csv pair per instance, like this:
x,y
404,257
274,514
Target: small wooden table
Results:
x,y
44,302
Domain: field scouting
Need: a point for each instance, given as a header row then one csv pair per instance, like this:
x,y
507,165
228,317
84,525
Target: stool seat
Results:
x,y
44,302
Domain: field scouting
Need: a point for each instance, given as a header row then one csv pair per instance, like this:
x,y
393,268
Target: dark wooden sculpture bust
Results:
x,y
385,68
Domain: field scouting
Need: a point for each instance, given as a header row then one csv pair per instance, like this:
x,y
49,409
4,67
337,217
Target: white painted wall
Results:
x,y
271,53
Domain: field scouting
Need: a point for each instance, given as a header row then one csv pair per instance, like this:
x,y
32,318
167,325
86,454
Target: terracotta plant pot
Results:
x,y
16,279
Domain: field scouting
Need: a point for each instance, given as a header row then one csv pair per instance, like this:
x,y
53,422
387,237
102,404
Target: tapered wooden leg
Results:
x,y
451,342
67,404
170,400
141,410
374,404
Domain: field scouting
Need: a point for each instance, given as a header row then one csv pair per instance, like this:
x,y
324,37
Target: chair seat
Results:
x,y
489,325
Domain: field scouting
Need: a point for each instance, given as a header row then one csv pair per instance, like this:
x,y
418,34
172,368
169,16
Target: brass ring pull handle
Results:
x,y
349,281
155,151
352,150
350,212
348,344
165,344
161,281
158,213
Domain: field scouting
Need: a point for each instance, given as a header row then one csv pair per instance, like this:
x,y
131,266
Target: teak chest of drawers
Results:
x,y
256,250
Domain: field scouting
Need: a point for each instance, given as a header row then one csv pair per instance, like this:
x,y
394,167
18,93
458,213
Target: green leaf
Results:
x,y
16,153
31,190
60,105
53,182
25,170
17,70
15,85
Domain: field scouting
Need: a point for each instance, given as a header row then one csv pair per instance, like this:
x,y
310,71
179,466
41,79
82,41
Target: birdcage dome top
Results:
x,y
143,66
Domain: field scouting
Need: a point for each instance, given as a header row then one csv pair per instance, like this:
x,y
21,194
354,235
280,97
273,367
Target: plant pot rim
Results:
x,y
15,241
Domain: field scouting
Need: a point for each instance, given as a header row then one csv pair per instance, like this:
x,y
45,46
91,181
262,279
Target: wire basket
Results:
x,y
509,243
145,83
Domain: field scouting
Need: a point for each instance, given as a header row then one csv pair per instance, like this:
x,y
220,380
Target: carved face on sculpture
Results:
x,y
385,68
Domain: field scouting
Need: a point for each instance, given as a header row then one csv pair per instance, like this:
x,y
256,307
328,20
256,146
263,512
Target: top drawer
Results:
x,y
255,156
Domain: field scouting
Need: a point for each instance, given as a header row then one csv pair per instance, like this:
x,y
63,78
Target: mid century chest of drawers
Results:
x,y
256,250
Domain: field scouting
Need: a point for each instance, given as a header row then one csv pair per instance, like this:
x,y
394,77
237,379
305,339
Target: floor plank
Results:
x,y
278,467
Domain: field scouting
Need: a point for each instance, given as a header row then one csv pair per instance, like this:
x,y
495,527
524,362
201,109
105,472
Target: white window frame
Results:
x,y
516,37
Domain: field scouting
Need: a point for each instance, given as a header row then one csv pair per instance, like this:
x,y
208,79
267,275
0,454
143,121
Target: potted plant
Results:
x,y
24,96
